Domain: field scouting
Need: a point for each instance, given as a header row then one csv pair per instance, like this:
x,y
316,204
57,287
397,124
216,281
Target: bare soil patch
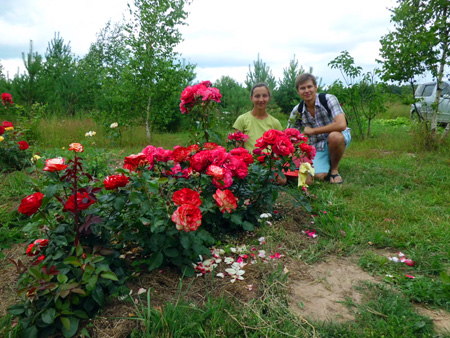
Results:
x,y
317,291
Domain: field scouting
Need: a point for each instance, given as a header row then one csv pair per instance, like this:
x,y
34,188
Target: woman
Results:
x,y
257,121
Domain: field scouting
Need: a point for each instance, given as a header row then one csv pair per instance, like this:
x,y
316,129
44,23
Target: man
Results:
x,y
326,128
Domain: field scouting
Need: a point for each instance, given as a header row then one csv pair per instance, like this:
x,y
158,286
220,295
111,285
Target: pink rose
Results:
x,y
55,164
215,171
187,217
76,147
283,146
225,200
200,161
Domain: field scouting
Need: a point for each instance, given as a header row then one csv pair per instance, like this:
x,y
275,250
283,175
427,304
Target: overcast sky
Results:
x,y
223,37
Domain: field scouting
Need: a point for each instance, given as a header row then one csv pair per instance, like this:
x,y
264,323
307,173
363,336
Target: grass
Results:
x,y
395,198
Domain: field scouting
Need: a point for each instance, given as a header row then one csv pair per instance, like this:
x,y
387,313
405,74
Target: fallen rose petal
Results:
x,y
409,262
141,291
409,276
220,275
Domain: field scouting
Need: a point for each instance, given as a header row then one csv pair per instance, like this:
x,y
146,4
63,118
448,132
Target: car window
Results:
x,y
445,89
428,90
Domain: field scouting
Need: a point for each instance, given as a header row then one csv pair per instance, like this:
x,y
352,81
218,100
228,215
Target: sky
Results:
x,y
223,37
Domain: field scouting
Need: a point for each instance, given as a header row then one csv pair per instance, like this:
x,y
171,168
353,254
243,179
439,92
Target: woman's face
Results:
x,y
260,97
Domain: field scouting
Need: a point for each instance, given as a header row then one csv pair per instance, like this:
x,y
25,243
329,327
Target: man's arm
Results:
x,y
339,124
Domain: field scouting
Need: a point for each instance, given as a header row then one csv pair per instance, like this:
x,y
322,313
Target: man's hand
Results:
x,y
308,131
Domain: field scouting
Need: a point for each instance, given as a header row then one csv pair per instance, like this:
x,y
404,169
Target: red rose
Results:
x,y
187,217
225,200
283,146
34,248
84,200
309,150
236,166
238,136
2,130
162,155
271,135
194,148
31,204
186,196
200,161
55,164
114,181
295,136
133,161
7,125
243,155
7,98
180,154
210,146
218,156
23,145
76,147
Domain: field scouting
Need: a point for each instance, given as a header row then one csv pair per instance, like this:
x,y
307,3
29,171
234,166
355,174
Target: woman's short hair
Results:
x,y
302,78
261,84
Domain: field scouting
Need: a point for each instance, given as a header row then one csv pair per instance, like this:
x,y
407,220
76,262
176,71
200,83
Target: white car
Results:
x,y
426,96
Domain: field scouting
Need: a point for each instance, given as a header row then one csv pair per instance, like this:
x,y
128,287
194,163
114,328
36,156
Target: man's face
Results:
x,y
307,90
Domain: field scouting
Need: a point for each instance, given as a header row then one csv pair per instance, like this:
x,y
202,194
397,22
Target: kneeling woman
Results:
x,y
257,121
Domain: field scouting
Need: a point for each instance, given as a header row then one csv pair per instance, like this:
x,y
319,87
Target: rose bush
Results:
x,y
171,204
14,154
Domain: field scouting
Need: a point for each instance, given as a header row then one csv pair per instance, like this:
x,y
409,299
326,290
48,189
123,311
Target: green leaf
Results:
x,y
16,309
236,219
30,332
81,314
48,316
65,322
79,250
248,226
62,278
188,271
155,261
51,190
185,241
109,275
171,252
72,260
73,327
91,283
119,203
98,295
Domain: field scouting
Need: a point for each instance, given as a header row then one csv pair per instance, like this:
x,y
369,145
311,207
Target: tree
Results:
x,y
152,36
286,95
363,95
59,85
33,65
419,43
235,98
260,73
105,75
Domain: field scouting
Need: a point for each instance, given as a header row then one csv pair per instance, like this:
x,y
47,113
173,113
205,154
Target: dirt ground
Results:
x,y
316,291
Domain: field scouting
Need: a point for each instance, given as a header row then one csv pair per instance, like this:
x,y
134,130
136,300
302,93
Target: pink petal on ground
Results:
x,y
409,276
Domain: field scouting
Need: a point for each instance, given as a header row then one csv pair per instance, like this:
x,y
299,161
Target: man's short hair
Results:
x,y
302,78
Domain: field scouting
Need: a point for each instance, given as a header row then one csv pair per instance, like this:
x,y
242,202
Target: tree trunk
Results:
x,y
445,133
147,120
442,64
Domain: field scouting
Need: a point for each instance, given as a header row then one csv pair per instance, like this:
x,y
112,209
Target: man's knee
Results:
x,y
336,138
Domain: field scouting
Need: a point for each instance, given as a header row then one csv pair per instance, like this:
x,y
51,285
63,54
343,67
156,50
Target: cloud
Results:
x,y
223,37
